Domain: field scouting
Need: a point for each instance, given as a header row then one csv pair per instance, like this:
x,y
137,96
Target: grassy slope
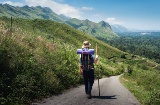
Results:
x,y
142,79
39,59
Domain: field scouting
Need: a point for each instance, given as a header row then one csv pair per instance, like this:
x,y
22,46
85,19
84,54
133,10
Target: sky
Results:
x,y
132,14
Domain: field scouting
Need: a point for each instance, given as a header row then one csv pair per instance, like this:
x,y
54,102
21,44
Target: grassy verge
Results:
x,y
144,84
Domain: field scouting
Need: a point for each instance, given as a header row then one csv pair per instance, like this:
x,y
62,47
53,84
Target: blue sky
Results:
x,y
135,14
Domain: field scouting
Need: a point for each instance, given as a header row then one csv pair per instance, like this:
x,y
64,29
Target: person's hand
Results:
x,y
96,57
81,71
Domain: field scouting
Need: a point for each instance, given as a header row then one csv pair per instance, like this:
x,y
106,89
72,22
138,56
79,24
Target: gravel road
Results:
x,y
112,92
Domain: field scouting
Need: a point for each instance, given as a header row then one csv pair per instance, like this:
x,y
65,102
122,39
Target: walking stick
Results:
x,y
98,71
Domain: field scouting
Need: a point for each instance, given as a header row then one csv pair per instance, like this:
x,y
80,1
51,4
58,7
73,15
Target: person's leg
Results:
x,y
89,86
91,81
85,77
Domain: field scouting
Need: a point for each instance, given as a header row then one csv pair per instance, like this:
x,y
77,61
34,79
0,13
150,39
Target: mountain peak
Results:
x,y
26,6
101,30
87,21
104,24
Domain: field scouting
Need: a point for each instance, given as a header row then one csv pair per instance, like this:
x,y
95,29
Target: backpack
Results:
x,y
87,62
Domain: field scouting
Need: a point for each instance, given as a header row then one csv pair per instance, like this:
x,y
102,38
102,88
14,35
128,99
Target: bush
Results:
x,y
129,70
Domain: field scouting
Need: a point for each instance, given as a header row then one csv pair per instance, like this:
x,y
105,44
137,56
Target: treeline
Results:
x,y
143,44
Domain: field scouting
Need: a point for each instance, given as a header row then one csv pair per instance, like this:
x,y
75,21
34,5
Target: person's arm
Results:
x,y
80,66
80,69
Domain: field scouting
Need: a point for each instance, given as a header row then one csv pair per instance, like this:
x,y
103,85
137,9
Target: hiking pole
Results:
x,y
98,72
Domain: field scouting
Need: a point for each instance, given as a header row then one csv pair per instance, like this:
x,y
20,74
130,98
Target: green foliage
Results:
x,y
147,84
38,59
129,70
135,43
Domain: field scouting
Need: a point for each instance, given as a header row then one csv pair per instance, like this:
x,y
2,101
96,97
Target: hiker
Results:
x,y
87,68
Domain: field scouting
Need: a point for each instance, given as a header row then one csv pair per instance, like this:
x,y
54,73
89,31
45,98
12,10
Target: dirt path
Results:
x,y
112,93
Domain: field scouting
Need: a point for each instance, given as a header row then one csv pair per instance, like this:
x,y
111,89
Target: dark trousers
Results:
x,y
88,77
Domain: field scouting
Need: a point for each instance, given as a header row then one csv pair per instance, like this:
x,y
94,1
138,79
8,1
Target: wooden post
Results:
x,y
11,25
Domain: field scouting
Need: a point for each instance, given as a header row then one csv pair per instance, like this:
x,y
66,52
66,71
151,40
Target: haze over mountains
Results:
x,y
101,29
119,28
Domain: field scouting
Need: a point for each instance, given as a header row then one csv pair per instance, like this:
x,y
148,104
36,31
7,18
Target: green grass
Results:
x,y
144,84
38,59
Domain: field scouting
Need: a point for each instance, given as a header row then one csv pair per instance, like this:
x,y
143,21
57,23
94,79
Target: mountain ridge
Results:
x,y
29,12
100,30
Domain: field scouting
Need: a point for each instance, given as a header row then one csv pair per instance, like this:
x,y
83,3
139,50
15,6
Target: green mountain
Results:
x,y
29,12
101,30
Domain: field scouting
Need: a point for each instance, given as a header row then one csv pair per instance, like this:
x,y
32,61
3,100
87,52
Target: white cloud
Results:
x,y
58,0
13,4
57,7
113,21
87,8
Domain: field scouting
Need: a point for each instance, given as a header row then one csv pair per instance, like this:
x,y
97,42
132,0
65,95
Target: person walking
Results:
x,y
86,67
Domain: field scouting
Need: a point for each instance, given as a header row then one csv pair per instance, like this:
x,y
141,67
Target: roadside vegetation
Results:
x,y
142,80
38,59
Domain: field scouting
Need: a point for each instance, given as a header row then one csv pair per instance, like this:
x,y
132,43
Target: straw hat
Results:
x,y
86,44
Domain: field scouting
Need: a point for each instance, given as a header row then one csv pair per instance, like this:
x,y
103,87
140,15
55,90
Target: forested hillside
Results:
x,y
139,43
